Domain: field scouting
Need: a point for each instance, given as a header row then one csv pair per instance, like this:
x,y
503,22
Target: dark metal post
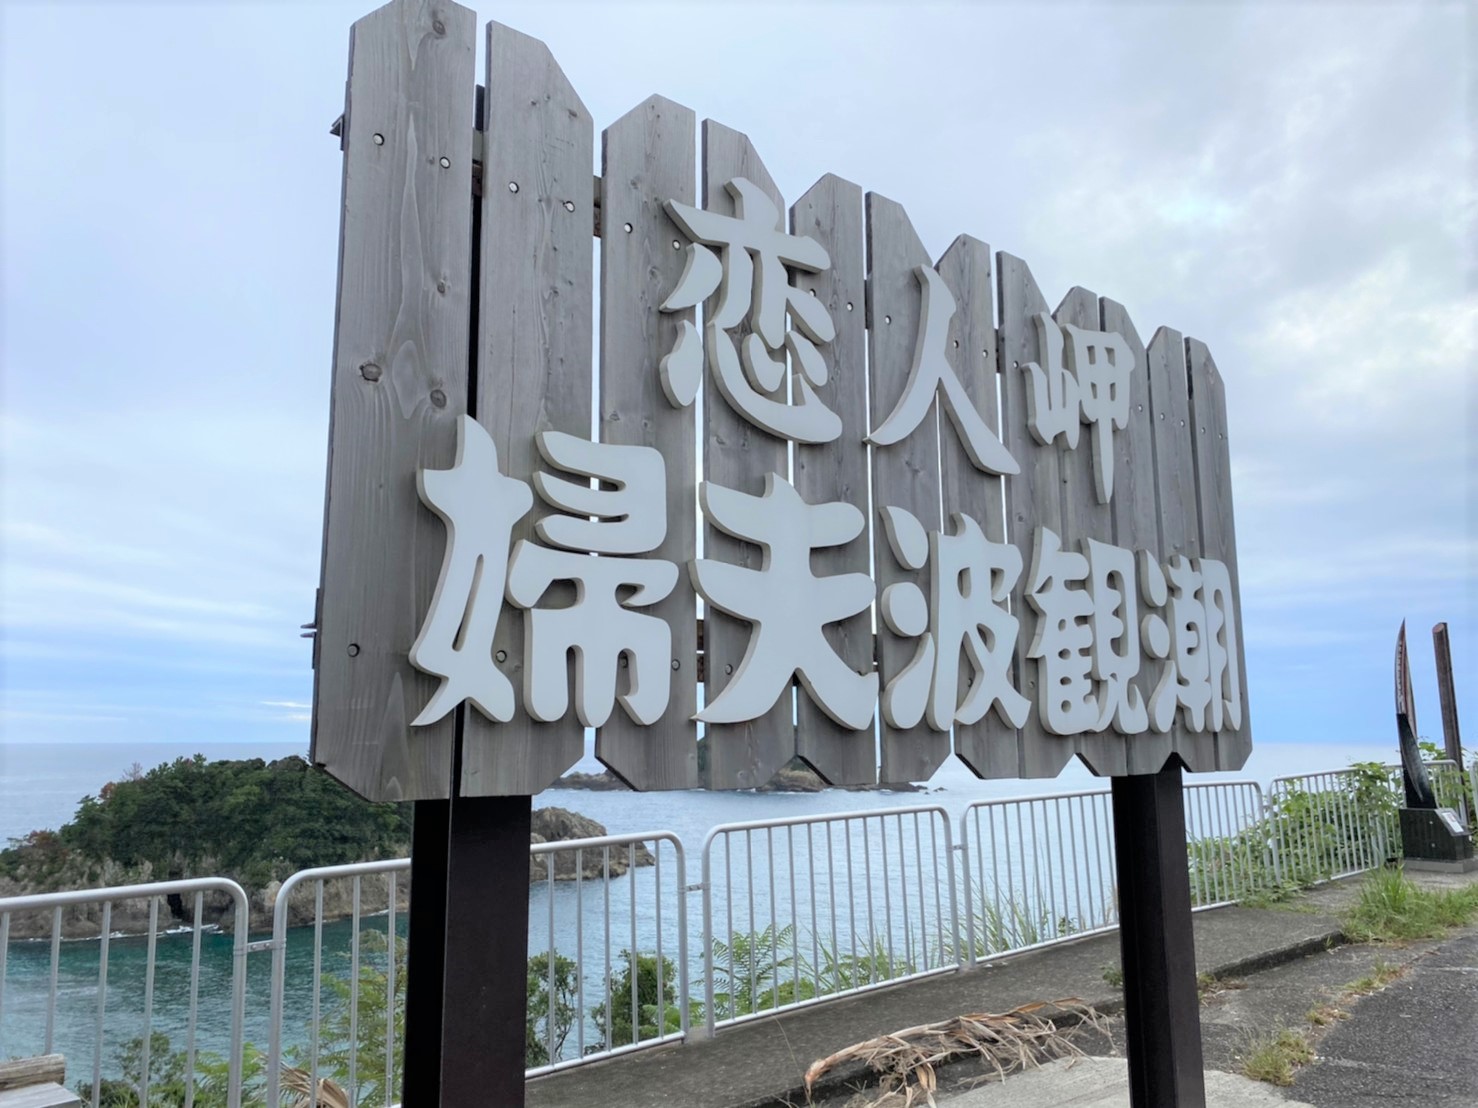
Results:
x,y
483,1037
1452,739
425,954
1162,1016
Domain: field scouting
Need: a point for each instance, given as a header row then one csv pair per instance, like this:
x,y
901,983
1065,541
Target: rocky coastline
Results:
x,y
217,907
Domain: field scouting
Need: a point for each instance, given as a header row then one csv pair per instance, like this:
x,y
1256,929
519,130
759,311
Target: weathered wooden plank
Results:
x,y
43,1068
534,349
737,455
1084,518
831,213
649,156
1175,490
905,474
1218,528
399,386
1135,514
1033,496
988,746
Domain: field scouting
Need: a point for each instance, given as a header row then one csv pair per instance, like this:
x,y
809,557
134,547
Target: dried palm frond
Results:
x,y
1017,1039
330,1095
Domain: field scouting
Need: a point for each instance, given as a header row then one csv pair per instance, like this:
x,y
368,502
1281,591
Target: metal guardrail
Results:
x,y
1038,870
869,900
648,972
794,912
153,892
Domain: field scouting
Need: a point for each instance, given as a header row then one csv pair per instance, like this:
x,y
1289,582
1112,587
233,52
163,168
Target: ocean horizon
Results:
x,y
41,784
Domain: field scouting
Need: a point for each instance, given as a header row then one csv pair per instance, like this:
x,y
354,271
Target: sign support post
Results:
x,y
1162,1018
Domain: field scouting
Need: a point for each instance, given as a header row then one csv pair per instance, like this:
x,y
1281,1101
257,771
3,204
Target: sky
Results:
x,y
1291,183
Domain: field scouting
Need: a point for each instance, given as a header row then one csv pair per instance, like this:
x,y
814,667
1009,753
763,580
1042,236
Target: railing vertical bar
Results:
x,y
661,976
938,905
4,958
97,1054
149,963
795,934
831,888
902,887
551,956
918,876
774,922
1062,864
635,954
815,918
607,992
56,962
317,987
195,1002
353,1089
579,944
887,892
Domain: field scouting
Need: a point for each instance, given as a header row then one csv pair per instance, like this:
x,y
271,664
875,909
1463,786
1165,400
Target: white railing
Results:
x,y
802,910
1037,870
141,1000
794,912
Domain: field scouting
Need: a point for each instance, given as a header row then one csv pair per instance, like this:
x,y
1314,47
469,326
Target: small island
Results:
x,y
252,821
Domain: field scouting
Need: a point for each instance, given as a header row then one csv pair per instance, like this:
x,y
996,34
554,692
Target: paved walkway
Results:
x,y
762,1063
1364,1061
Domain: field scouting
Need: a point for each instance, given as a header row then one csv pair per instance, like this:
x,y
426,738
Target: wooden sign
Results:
x,y
938,516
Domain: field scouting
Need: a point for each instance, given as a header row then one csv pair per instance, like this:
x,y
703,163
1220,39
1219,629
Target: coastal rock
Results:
x,y
552,825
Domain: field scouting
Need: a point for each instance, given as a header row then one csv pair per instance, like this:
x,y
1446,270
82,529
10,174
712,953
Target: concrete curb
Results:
x,y
856,1073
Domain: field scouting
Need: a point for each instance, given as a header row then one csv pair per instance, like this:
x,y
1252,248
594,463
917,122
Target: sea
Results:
x,y
41,786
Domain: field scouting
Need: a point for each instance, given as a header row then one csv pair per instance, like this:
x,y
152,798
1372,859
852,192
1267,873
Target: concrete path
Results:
x,y
1417,1038
1104,1083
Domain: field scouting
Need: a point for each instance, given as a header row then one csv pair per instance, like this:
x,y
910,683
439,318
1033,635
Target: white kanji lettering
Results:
x,y
906,613
931,375
972,578
479,507
749,274
1103,364
1114,621
1063,641
1083,380
786,603
1180,640
600,627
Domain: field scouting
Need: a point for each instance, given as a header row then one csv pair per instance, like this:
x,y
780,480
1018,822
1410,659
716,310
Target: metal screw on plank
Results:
x,y
379,139
501,656
446,163
354,650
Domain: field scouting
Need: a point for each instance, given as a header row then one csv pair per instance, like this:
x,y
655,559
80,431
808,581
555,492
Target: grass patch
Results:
x,y
1113,975
1380,975
1325,1014
1393,909
1275,1058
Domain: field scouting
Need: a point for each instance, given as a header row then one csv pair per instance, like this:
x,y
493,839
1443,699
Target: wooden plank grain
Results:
x,y
1213,460
1136,514
830,211
737,455
1084,518
534,349
399,385
905,474
649,156
1033,496
1175,491
988,746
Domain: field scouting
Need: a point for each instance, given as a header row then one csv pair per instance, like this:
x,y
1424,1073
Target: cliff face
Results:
x,y
131,917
